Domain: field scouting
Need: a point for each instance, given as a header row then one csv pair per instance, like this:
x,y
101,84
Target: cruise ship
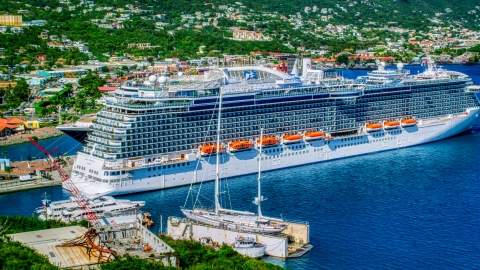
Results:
x,y
163,134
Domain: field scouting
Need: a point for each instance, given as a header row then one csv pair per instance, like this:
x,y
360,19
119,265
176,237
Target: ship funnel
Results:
x,y
295,68
307,65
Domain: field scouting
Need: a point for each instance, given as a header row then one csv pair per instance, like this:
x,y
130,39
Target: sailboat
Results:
x,y
232,219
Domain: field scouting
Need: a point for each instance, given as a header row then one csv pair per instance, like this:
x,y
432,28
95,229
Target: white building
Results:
x,y
248,35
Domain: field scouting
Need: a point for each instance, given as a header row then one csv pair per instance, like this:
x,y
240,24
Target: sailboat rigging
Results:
x,y
234,219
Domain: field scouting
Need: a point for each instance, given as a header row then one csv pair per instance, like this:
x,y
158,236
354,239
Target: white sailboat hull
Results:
x,y
219,221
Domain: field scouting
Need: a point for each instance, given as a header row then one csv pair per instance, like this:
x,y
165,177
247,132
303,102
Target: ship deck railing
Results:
x,y
339,87
110,125
136,105
187,220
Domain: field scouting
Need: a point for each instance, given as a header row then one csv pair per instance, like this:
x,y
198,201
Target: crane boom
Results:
x,y
76,193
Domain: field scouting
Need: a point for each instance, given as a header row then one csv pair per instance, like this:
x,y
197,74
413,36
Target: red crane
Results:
x,y
283,67
77,194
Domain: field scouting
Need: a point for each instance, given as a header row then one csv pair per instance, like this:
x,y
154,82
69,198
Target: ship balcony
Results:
x,y
123,119
111,143
345,94
102,149
140,105
119,125
118,131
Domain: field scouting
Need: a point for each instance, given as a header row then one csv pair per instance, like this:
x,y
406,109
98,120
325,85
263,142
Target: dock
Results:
x,y
70,247
23,168
293,242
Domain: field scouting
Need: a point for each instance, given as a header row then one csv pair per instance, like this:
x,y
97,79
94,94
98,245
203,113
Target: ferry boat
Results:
x,y
152,140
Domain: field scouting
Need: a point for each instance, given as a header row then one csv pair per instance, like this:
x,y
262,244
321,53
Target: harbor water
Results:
x,y
411,208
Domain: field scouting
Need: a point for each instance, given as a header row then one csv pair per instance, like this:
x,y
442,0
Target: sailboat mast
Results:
x,y
217,164
259,198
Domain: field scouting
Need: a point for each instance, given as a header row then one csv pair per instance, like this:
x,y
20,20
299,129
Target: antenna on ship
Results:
x,y
45,202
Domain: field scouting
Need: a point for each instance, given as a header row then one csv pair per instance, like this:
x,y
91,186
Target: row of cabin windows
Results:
x,y
168,166
245,113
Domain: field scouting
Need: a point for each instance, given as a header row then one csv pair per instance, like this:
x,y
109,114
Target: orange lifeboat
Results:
x,y
391,124
315,135
268,141
292,139
240,146
210,149
373,127
409,122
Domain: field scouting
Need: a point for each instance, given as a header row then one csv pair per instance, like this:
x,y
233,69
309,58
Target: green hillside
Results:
x,y
176,39
407,13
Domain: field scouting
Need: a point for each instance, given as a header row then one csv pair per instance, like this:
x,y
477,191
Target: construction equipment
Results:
x,y
283,66
91,240
76,193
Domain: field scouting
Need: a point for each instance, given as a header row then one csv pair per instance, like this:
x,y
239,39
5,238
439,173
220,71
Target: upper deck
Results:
x,y
260,84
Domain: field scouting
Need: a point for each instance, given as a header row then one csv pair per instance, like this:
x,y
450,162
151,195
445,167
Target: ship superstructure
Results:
x,y
164,135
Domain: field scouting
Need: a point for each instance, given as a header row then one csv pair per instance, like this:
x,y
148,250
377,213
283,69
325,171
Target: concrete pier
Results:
x,y
293,240
22,168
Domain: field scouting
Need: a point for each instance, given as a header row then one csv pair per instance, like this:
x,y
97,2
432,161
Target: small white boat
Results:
x,y
247,246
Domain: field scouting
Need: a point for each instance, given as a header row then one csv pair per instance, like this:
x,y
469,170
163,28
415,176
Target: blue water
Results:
x,y
21,152
412,208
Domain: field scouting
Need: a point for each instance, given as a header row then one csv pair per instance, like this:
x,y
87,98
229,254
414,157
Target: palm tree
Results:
x,y
7,169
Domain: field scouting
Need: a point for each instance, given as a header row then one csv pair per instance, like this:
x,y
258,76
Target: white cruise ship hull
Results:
x,y
278,157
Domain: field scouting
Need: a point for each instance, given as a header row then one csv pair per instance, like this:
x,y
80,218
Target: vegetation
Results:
x,y
13,255
17,94
193,255
190,255
128,262
175,39
18,224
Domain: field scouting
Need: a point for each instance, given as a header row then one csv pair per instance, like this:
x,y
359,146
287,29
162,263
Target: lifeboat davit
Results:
x,y
391,124
292,138
374,127
268,141
240,146
409,122
316,135
210,149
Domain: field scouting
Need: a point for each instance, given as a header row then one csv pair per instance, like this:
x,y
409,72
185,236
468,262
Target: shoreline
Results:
x,y
22,139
